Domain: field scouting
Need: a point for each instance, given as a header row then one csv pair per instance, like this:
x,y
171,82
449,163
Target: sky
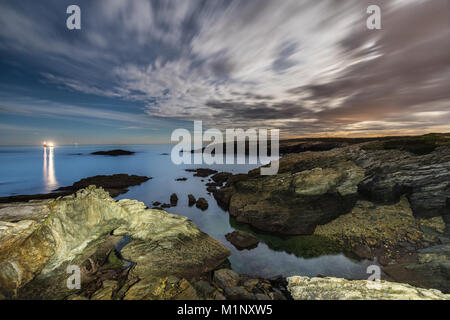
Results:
x,y
139,69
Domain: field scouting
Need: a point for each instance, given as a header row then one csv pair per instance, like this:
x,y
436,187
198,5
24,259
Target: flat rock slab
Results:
x,y
242,240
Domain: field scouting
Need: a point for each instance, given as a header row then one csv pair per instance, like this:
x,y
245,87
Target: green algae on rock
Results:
x,y
383,231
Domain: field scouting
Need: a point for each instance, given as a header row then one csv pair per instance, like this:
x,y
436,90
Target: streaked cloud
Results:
x,y
308,67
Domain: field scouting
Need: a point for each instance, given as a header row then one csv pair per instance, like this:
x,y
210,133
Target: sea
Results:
x,y
34,169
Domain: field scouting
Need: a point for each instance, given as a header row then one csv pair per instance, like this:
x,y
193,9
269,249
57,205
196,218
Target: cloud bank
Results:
x,y
308,67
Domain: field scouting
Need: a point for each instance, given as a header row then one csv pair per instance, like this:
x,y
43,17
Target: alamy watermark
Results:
x,y
191,150
74,280
373,22
374,280
73,22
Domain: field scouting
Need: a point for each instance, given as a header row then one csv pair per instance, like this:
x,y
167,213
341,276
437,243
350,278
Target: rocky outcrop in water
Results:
x,y
202,204
173,200
304,288
242,240
115,184
113,153
39,240
191,200
202,172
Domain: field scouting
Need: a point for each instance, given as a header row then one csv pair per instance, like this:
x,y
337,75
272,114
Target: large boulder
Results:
x,y
50,236
242,240
311,189
304,288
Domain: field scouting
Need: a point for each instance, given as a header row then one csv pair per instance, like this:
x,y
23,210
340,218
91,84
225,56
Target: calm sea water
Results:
x,y
29,170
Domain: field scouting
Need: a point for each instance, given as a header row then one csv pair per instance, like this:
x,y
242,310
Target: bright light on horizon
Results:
x,y
48,144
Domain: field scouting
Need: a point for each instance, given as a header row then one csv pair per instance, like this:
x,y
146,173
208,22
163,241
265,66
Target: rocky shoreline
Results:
x,y
116,185
385,201
165,256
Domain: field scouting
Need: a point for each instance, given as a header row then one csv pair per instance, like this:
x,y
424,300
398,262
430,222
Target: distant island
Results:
x,y
113,153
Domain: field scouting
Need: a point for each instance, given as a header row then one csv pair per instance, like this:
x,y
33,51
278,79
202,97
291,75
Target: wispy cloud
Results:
x,y
307,67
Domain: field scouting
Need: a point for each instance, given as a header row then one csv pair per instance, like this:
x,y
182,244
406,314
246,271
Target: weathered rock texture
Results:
x,y
383,231
39,240
425,179
304,288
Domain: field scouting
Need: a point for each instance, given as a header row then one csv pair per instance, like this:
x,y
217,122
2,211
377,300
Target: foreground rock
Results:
x,y
116,184
44,238
113,153
304,288
242,240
